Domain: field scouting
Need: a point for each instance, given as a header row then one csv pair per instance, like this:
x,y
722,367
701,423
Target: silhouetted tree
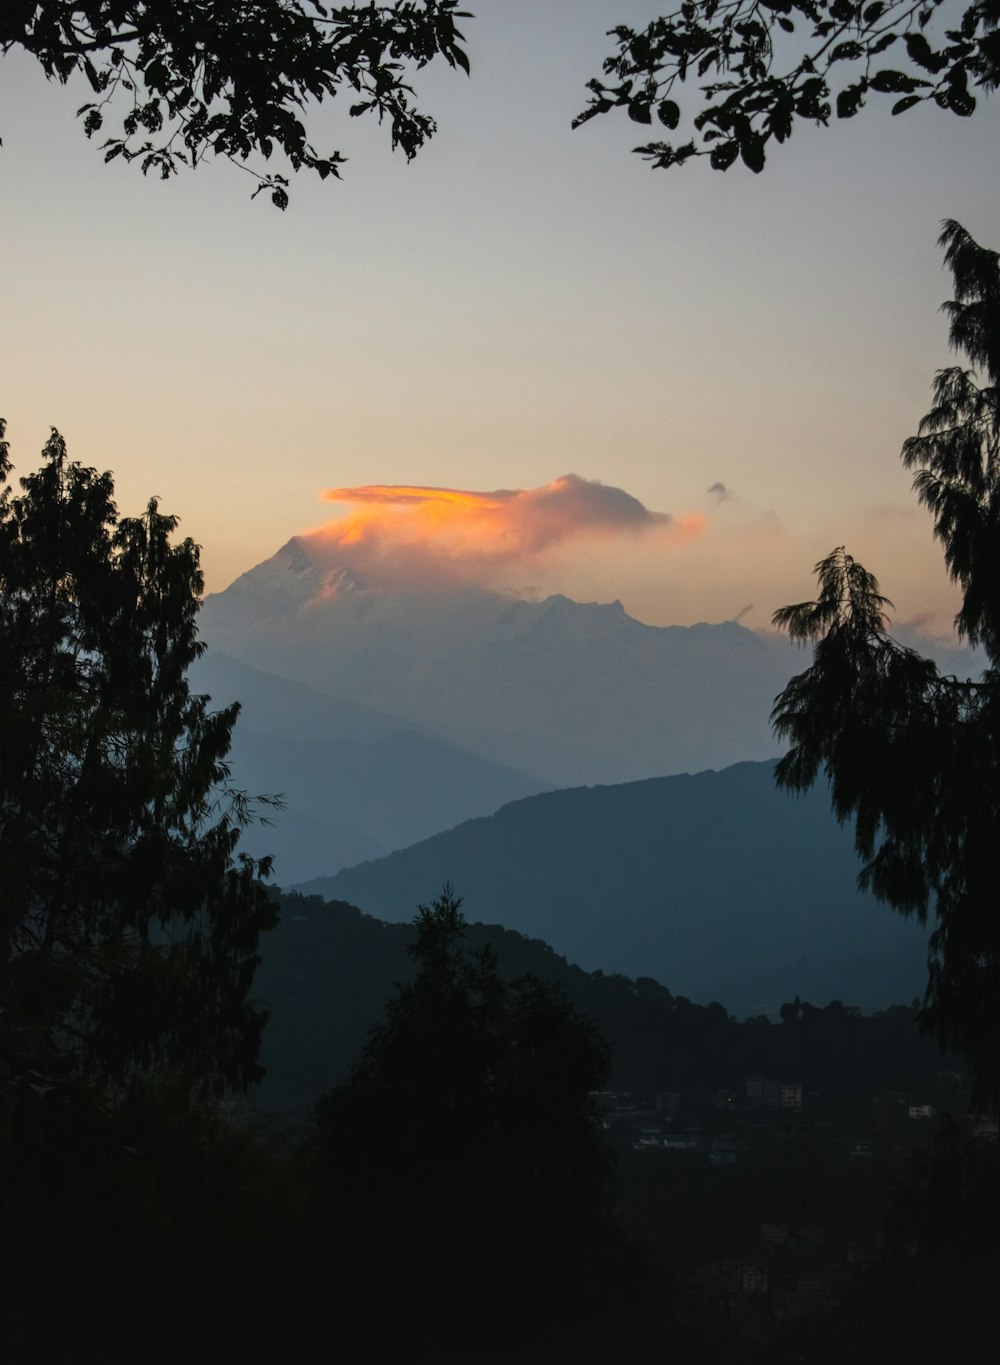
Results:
x,y
761,64
913,757
204,78
463,1154
128,925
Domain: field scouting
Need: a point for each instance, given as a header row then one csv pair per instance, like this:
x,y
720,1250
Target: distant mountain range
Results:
x,y
385,717
570,692
356,783
718,885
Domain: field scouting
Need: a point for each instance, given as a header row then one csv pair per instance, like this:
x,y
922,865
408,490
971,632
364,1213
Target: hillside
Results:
x,y
717,884
328,972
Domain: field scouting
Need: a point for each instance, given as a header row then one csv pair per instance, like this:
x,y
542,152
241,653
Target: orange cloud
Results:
x,y
434,538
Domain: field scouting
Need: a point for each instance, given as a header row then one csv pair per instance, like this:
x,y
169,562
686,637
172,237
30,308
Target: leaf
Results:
x,y
640,111
894,82
907,103
710,58
156,75
669,113
919,50
724,155
960,101
279,198
90,71
780,120
850,100
752,152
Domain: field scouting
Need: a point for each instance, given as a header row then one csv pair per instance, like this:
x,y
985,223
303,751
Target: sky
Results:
x,y
522,311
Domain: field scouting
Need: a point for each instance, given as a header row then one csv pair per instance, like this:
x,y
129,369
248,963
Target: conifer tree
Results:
x,y
913,757
463,1154
128,922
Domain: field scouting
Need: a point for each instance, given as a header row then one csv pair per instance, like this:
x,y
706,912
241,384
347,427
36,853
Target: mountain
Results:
x,y
573,692
718,885
356,782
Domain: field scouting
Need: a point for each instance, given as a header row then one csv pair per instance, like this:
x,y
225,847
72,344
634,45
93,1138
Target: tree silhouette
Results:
x,y
463,1152
913,758
128,925
200,78
761,64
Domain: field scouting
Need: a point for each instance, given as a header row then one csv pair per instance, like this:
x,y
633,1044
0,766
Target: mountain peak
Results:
x,y
578,692
293,578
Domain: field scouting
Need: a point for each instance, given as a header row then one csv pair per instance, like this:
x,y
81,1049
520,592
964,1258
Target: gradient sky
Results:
x,y
520,303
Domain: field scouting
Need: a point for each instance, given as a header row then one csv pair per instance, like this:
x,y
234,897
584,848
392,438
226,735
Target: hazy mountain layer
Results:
x,y
576,692
356,782
329,971
717,884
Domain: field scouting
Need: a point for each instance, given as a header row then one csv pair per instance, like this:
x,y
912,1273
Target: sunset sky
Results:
x,y
741,356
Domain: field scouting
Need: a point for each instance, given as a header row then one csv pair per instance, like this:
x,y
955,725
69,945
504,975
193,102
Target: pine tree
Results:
x,y
128,922
913,757
464,1157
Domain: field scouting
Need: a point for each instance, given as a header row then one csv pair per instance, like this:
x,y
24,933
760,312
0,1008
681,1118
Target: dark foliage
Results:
x,y
128,924
761,64
463,1158
328,969
929,1293
158,1228
204,78
913,758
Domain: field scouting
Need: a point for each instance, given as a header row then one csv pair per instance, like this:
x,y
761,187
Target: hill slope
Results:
x,y
329,971
716,884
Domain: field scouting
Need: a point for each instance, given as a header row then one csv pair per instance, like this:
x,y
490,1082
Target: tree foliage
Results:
x,y
470,1073
913,758
759,65
128,924
204,78
464,1153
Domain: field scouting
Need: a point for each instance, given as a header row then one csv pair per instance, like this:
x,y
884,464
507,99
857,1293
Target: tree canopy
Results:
x,y
128,922
204,78
463,1154
913,757
194,79
758,65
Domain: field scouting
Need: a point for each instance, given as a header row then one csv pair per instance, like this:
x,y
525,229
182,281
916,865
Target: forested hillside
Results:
x,y
329,970
716,883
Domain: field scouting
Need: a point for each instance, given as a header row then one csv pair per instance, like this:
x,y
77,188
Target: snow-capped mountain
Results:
x,y
570,692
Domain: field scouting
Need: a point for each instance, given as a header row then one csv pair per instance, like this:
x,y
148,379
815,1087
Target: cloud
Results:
x,y
433,538
719,491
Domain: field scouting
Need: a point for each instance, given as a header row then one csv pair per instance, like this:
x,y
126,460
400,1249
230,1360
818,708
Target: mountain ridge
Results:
x,y
356,781
574,692
714,883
